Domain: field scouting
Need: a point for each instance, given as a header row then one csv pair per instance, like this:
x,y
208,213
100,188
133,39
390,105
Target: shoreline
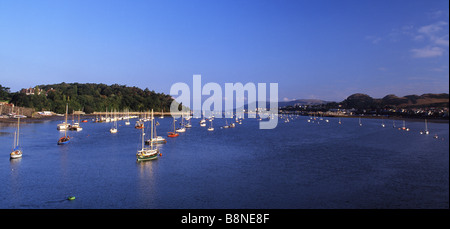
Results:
x,y
91,116
413,119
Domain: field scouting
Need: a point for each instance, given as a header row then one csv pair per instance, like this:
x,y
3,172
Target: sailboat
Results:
x,y
146,154
426,129
75,125
182,129
232,125
404,126
66,139
360,124
162,114
139,125
16,151
63,126
382,122
211,128
157,139
113,129
173,134
127,123
226,124
188,124
202,122
340,121
107,118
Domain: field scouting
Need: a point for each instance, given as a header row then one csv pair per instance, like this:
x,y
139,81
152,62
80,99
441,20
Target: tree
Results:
x,y
4,93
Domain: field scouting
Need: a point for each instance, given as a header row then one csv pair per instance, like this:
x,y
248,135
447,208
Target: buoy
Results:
x,y
71,198
160,154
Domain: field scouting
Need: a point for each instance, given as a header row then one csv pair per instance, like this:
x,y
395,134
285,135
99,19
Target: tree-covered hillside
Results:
x,y
91,97
4,93
363,101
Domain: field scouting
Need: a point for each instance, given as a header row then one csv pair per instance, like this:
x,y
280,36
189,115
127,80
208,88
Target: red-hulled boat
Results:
x,y
172,135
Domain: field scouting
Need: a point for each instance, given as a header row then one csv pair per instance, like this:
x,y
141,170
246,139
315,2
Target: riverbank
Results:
x,y
91,116
409,119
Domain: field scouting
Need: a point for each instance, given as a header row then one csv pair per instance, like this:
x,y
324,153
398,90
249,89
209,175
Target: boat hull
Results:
x,y
76,129
63,141
63,127
16,154
156,142
147,156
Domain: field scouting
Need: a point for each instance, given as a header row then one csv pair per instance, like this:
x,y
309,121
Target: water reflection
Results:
x,y
15,186
146,182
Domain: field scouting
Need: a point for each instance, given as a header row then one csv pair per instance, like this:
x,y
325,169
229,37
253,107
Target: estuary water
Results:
x,y
299,165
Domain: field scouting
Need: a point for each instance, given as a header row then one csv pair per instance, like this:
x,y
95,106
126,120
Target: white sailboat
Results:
x,y
16,151
75,125
426,129
360,124
226,124
188,124
107,118
63,126
202,122
211,128
382,122
113,129
182,129
127,123
156,139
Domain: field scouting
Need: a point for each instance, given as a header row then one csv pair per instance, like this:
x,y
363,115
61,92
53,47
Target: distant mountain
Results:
x,y
363,101
302,102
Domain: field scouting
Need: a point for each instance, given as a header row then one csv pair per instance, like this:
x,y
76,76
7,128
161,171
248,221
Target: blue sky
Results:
x,y
325,49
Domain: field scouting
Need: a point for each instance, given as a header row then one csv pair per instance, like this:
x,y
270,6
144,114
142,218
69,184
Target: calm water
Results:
x,y
297,165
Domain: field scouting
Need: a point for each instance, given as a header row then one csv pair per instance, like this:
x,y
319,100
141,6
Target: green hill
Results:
x,y
91,97
363,101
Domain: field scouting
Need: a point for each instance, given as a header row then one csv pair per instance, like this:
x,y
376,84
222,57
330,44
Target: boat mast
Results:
x,y
143,138
174,124
65,129
18,123
155,125
14,142
151,135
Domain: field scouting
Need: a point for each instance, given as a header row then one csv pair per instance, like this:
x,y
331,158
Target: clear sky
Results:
x,y
325,49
